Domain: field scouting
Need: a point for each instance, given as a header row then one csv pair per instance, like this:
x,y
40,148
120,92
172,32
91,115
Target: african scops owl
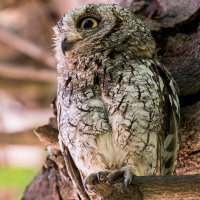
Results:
x,y
118,106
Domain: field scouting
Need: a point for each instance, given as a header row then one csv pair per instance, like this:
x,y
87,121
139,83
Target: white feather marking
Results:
x,y
95,103
106,149
161,83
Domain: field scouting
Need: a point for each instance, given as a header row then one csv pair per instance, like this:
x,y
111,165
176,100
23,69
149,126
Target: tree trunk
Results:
x,y
176,32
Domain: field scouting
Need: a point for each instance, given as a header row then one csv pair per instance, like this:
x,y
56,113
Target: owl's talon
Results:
x,y
107,176
85,186
127,182
126,172
88,182
101,175
98,176
114,175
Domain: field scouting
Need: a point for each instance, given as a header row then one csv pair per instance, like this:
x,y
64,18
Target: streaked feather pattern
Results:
x,y
118,105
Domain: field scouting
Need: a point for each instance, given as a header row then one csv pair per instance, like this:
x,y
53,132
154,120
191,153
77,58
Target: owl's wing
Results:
x,y
70,165
170,137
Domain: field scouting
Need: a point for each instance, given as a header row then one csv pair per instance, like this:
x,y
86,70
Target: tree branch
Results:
x,y
26,47
27,73
153,187
147,187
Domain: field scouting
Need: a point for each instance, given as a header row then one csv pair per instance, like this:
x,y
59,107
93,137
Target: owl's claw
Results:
x,y
102,175
127,182
126,172
88,182
107,177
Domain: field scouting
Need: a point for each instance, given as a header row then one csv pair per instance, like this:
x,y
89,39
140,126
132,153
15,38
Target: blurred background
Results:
x,y
27,86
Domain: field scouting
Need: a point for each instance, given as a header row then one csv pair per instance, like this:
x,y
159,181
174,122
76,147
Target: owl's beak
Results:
x,y
66,45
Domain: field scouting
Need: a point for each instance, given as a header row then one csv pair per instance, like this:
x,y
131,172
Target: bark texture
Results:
x,y
177,35
51,182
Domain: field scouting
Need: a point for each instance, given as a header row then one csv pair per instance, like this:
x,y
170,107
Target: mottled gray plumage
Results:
x,y
118,106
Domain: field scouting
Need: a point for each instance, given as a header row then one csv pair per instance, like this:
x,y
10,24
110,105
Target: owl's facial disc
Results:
x,y
86,23
84,29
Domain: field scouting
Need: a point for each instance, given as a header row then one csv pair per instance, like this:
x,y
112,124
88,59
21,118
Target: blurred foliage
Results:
x,y
14,180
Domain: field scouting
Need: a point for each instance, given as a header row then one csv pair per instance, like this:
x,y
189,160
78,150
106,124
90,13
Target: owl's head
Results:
x,y
95,29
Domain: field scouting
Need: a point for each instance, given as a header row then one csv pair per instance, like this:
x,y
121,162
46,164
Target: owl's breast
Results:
x,y
132,97
131,82
114,120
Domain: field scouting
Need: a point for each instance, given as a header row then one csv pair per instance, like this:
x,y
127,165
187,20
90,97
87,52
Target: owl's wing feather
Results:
x,y
74,174
70,165
171,146
170,143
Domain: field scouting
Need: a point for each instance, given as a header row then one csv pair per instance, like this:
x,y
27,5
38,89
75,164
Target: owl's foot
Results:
x,y
108,178
90,180
114,175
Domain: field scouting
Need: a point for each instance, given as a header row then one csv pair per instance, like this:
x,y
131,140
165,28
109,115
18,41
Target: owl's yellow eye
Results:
x,y
89,23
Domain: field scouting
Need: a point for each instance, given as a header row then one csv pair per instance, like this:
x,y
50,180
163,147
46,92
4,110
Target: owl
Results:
x,y
118,109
